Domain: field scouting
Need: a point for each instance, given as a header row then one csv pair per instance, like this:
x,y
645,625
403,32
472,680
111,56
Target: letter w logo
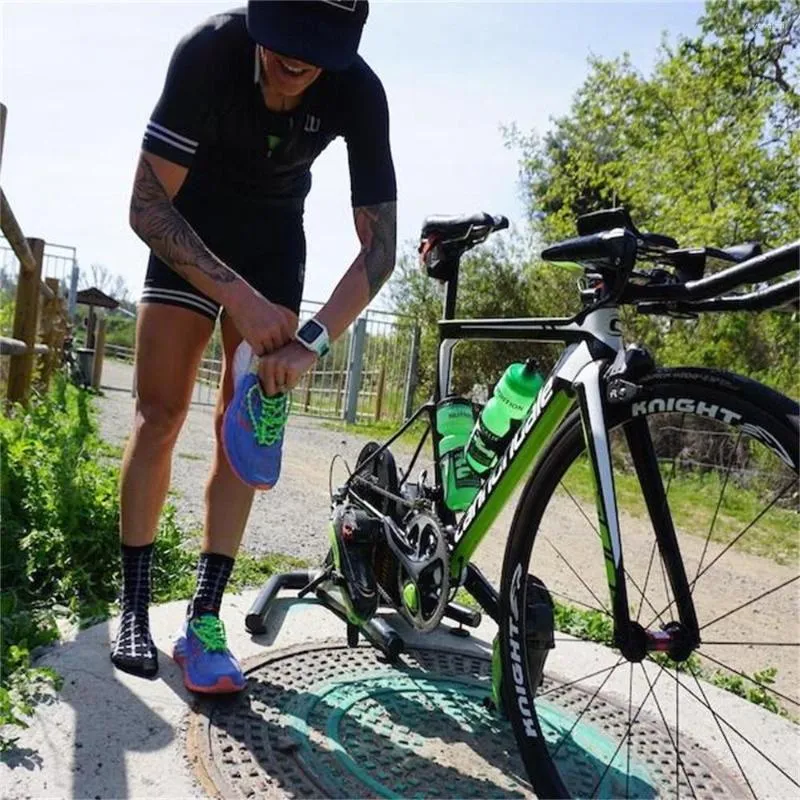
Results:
x,y
312,124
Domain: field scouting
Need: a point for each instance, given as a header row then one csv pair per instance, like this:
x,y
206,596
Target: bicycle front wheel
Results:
x,y
723,719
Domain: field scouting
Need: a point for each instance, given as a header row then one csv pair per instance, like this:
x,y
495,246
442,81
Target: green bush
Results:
x,y
60,528
121,331
59,506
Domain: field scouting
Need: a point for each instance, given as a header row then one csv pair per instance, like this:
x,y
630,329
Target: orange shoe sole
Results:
x,y
225,685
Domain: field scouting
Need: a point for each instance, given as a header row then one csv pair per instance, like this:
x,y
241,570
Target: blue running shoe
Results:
x,y
253,425
202,653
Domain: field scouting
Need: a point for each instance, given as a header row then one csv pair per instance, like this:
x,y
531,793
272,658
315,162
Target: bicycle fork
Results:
x,y
677,639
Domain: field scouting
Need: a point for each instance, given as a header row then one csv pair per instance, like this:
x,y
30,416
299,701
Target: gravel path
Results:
x,y
292,518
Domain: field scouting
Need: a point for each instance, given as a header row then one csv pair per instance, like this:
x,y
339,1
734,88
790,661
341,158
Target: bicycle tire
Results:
x,y
756,404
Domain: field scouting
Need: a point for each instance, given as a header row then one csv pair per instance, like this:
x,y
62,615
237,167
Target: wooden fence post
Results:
x,y
307,399
26,325
340,391
99,350
379,400
50,322
91,328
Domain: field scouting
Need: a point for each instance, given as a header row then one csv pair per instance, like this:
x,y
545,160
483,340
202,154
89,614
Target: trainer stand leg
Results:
x,y
377,630
255,621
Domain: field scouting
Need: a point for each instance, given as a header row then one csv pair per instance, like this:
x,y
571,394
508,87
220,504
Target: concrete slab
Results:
x,y
112,735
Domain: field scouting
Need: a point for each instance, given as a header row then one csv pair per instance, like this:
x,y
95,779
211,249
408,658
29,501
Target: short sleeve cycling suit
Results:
x,y
249,167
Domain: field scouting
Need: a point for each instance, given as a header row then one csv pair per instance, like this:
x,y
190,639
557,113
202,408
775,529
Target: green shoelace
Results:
x,y
211,632
270,422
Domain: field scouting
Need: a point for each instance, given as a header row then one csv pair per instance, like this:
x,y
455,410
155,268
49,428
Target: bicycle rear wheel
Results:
x,y
728,456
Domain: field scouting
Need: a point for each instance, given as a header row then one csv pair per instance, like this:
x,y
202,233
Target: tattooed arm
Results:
x,y
377,229
164,230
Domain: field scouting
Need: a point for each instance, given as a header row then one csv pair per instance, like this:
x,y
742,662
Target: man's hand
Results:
x,y
281,370
264,325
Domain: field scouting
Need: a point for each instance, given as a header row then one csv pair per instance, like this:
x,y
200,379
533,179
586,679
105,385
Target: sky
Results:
x,y
81,79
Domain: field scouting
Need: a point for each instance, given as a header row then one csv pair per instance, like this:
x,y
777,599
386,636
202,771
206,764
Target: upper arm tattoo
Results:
x,y
167,233
377,230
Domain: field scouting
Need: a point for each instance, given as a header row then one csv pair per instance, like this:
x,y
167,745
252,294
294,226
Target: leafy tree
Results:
x,y
706,149
496,280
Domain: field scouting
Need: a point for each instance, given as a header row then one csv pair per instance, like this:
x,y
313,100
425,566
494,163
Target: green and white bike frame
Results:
x,y
594,343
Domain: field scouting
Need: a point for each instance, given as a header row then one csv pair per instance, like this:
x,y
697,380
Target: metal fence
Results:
x,y
59,262
369,375
390,346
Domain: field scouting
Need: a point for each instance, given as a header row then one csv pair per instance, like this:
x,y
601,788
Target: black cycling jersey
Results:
x,y
212,118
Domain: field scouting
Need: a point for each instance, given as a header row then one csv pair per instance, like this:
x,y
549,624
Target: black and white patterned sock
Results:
x,y
133,650
213,571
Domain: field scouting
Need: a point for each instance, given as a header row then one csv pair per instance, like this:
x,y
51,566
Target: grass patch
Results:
x,y
583,623
251,571
464,598
115,451
693,502
191,457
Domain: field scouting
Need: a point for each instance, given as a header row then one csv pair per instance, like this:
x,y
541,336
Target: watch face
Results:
x,y
310,332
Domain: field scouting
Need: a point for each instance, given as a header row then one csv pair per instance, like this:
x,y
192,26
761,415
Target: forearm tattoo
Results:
x,y
168,234
377,230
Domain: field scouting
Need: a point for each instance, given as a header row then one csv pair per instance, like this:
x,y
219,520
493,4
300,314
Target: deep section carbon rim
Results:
x,y
729,471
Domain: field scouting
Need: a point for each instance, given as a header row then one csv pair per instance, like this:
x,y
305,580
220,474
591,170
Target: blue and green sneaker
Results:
x,y
202,653
253,425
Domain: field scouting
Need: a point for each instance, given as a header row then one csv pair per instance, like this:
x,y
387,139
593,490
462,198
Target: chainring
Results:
x,y
414,555
423,571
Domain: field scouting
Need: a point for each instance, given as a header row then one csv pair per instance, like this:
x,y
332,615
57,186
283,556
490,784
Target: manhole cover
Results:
x,y
330,721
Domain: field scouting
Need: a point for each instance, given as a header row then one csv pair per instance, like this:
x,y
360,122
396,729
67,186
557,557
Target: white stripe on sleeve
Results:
x,y
156,135
168,132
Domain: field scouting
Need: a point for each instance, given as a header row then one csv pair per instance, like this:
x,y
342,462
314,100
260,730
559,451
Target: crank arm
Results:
x,y
392,533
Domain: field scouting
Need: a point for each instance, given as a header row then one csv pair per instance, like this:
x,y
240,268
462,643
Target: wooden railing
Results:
x,y
32,319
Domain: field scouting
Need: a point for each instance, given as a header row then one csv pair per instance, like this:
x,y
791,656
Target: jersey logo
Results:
x,y
312,124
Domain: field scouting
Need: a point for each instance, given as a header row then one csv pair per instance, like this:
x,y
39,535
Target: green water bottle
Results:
x,y
512,399
455,420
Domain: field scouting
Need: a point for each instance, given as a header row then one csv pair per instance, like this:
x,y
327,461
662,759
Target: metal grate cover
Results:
x,y
330,721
